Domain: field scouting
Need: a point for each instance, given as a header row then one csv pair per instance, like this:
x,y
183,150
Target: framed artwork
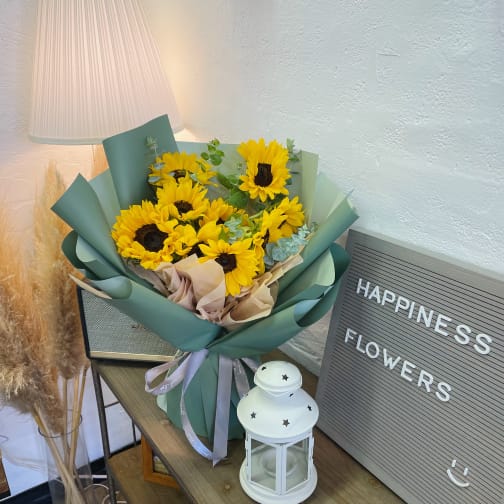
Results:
x,y
153,468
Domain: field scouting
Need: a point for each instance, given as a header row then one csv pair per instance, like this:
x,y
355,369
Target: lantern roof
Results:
x,y
278,377
278,409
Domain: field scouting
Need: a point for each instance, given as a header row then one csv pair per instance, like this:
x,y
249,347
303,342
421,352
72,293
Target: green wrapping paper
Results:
x,y
200,407
306,292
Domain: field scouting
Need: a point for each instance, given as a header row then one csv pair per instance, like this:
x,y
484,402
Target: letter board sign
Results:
x,y
412,378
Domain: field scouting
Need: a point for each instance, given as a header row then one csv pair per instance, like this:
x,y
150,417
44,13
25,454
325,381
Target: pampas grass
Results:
x,y
43,364
100,163
27,380
55,292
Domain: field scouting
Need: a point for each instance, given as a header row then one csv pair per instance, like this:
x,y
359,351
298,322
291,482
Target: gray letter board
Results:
x,y
412,376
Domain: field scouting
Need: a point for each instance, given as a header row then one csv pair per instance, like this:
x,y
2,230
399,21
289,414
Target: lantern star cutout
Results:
x,y
285,377
286,423
253,414
263,368
309,408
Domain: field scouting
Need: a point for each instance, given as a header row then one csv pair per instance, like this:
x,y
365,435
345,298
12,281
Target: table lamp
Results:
x,y
97,72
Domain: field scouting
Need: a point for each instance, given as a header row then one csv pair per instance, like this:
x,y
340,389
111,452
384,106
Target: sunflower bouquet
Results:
x,y
212,247
213,243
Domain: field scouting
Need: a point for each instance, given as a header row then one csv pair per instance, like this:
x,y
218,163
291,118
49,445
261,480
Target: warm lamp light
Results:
x,y
97,72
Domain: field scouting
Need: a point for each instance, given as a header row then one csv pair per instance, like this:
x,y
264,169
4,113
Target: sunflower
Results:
x,y
270,230
186,238
292,211
179,165
185,201
209,231
218,211
144,232
267,172
271,227
238,261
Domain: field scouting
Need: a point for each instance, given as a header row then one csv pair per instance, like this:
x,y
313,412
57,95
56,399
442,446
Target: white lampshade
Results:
x,y
97,72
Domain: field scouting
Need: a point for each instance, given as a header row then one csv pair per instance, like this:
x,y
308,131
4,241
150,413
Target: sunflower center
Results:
x,y
183,206
266,238
196,250
264,176
227,261
178,174
150,237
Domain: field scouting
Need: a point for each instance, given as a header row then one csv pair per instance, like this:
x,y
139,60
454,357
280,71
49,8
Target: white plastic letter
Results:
x,y
442,324
422,314
358,345
402,304
443,393
388,361
375,294
407,369
425,379
359,287
462,334
482,345
372,350
349,335
388,297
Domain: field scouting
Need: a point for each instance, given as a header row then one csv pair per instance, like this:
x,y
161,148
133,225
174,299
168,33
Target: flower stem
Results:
x,y
71,490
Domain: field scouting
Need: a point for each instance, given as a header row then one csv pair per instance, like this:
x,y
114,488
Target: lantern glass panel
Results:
x,y
263,463
297,463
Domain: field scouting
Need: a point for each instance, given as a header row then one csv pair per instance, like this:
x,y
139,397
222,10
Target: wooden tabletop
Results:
x,y
340,478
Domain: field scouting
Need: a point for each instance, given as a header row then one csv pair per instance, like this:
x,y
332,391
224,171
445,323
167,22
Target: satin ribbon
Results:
x,y
186,367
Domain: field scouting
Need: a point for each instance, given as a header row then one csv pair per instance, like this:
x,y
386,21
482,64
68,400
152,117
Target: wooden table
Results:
x,y
340,478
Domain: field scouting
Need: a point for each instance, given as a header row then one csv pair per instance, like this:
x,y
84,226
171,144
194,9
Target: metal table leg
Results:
x,y
104,430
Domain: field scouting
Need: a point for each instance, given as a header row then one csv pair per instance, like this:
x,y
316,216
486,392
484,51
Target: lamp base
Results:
x,y
263,496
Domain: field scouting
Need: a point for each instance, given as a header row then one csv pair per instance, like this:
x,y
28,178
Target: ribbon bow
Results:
x,y
186,367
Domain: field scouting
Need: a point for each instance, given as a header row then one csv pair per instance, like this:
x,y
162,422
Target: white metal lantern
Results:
x,y
278,417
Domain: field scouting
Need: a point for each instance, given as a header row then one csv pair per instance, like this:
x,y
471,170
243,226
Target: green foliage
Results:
x,y
284,248
152,144
224,181
235,229
293,156
237,198
213,154
152,147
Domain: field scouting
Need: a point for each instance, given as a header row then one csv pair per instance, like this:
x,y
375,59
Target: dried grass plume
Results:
x,y
55,291
40,332
27,380
100,163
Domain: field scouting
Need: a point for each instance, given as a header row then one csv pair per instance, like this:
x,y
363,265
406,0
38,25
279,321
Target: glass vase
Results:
x,y
68,471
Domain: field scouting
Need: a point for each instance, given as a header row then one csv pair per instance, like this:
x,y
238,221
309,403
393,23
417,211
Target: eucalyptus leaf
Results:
x,y
238,198
223,180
